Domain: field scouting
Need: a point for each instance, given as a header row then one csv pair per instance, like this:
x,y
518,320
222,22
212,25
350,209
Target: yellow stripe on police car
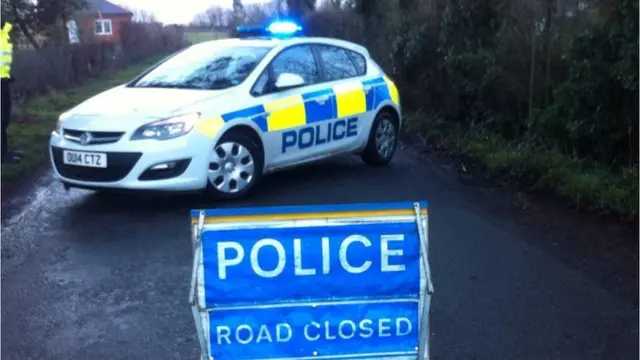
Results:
x,y
285,113
393,91
350,99
210,126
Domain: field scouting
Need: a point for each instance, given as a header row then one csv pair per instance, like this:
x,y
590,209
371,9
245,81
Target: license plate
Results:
x,y
86,159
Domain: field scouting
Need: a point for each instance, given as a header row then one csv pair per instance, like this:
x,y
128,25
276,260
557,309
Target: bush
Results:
x,y
336,24
140,41
538,91
583,184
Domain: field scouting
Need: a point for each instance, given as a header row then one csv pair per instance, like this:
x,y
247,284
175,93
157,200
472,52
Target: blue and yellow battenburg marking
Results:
x,y
340,101
286,113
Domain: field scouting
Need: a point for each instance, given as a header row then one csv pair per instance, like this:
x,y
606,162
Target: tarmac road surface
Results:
x,y
89,276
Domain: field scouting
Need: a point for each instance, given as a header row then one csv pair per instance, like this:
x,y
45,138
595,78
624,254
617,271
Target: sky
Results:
x,y
178,11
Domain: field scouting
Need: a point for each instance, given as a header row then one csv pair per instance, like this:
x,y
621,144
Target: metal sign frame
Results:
x,y
290,218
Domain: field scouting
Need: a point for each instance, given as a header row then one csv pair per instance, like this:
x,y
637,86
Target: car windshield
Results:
x,y
205,67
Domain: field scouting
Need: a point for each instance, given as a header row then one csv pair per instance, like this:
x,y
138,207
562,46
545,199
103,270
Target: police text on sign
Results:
x,y
350,243
312,262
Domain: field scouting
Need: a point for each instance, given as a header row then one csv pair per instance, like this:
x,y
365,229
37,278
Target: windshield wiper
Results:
x,y
167,86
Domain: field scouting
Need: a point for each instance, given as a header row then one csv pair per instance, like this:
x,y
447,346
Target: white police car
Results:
x,y
220,114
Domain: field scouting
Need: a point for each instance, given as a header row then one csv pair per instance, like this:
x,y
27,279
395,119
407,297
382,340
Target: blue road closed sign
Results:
x,y
312,282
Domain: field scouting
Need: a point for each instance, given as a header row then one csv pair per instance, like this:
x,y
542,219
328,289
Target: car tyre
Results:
x,y
383,140
235,166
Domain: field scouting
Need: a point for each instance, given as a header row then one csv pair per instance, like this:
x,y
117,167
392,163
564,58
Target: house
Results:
x,y
101,21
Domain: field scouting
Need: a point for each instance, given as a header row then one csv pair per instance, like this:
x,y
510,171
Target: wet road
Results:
x,y
96,277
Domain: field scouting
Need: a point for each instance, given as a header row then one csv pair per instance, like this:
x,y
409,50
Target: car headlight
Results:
x,y
168,128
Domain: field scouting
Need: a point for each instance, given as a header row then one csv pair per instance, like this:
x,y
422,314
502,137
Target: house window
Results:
x,y
102,27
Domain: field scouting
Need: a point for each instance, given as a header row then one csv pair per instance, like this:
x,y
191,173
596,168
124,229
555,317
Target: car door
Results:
x,y
290,113
347,79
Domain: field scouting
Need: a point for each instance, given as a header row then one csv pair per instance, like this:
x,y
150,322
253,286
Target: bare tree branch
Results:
x,y
22,25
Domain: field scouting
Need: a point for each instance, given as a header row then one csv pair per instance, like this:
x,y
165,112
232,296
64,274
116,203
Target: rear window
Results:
x,y
359,61
337,63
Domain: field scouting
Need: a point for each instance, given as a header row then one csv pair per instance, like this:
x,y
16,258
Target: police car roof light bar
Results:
x,y
277,28
250,31
284,27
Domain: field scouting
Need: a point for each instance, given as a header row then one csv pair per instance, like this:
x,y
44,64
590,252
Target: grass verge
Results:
x,y
33,120
585,185
201,36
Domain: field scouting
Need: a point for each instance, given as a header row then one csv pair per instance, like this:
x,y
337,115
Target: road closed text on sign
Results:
x,y
328,329
317,288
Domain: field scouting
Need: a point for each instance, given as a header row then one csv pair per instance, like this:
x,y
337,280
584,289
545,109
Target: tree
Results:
x,y
299,8
329,5
364,7
52,17
144,16
239,13
47,18
336,4
218,16
257,14
23,14
215,16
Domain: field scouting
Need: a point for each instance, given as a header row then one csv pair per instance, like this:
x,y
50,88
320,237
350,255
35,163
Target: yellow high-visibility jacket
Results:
x,y
6,51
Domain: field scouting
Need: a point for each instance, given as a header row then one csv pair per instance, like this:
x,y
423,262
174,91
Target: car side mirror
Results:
x,y
288,80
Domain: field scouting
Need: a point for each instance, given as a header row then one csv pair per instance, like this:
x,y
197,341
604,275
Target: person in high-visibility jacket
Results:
x,y
6,58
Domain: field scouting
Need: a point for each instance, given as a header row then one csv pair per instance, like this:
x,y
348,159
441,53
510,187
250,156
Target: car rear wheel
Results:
x,y
235,166
383,140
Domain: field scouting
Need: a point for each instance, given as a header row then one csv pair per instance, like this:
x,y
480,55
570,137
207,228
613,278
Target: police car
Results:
x,y
219,115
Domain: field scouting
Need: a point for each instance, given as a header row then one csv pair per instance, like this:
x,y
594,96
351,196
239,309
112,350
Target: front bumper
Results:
x,y
129,164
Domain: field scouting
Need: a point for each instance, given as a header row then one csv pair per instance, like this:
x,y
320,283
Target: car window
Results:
x,y
298,60
337,63
359,61
205,67
261,86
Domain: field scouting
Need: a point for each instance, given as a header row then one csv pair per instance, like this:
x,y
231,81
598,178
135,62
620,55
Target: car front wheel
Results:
x,y
235,166
383,140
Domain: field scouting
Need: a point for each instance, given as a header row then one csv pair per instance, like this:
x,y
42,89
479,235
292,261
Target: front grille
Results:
x,y
92,137
119,164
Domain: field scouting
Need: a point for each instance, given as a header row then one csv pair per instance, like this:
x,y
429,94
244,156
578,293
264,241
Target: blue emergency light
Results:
x,y
284,28
278,28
